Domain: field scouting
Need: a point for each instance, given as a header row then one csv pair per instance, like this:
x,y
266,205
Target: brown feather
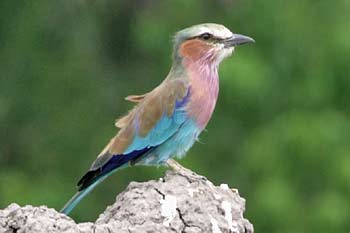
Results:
x,y
146,114
135,98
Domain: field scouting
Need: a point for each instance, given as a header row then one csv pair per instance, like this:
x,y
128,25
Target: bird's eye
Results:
x,y
206,36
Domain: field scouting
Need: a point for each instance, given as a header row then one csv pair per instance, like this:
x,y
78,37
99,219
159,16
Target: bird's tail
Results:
x,y
85,190
95,176
69,206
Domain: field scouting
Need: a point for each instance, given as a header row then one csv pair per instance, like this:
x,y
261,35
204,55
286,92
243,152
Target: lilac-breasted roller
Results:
x,y
167,120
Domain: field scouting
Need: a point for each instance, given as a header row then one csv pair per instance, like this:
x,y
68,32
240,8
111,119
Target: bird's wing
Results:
x,y
120,122
156,117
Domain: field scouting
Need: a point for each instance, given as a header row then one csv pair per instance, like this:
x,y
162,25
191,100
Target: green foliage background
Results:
x,y
280,132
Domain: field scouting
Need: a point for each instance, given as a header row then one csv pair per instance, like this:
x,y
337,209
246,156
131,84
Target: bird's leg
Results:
x,y
178,168
175,165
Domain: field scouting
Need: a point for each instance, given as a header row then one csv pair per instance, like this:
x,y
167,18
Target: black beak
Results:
x,y
238,39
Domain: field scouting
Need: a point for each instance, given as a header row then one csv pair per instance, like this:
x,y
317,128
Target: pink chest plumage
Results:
x,y
204,84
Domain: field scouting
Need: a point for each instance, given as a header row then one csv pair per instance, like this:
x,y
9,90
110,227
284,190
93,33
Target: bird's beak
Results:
x,y
237,39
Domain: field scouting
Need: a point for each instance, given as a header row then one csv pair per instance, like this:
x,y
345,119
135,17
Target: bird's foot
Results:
x,y
178,168
234,190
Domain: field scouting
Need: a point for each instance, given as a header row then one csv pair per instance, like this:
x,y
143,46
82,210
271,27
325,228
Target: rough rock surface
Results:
x,y
184,203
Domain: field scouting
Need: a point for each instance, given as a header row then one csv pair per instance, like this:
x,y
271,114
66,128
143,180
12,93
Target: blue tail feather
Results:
x,y
69,206
94,177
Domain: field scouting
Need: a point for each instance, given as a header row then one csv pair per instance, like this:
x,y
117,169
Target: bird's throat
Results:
x,y
204,82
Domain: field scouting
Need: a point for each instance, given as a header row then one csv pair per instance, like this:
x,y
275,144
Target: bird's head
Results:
x,y
209,43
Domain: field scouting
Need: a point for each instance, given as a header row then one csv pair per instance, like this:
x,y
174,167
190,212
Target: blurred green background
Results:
x,y
280,132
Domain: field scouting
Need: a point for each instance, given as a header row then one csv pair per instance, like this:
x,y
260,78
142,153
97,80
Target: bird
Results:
x,y
166,122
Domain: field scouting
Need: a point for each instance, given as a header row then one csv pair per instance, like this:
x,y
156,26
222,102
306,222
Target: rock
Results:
x,y
186,203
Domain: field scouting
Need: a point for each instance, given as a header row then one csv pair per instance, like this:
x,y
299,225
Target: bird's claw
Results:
x,y
178,168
